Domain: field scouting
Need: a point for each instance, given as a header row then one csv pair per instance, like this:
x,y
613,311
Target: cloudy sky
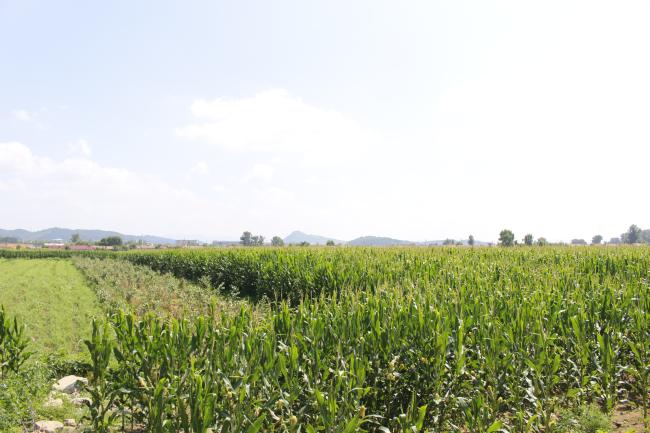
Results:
x,y
413,119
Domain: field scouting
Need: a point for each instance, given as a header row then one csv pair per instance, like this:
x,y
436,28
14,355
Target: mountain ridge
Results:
x,y
90,235
297,237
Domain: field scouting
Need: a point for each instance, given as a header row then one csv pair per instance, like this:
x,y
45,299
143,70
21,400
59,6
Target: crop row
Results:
x,y
295,273
44,253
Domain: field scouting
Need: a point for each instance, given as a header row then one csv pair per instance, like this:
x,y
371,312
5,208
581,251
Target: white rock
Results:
x,y
48,426
70,422
69,384
80,401
53,402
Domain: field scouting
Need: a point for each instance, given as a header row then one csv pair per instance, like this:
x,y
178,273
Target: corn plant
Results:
x,y
101,389
13,344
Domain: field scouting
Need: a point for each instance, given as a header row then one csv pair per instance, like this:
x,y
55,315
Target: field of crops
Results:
x,y
397,339
447,339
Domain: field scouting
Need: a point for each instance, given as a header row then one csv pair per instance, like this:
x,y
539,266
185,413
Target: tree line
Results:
x,y
634,235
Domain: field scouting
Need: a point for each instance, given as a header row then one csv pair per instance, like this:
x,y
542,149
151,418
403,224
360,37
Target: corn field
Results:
x,y
382,340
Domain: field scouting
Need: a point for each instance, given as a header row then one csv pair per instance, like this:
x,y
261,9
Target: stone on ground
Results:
x,y
48,426
70,384
53,402
80,401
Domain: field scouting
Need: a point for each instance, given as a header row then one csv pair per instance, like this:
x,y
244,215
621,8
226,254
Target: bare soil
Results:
x,y
626,419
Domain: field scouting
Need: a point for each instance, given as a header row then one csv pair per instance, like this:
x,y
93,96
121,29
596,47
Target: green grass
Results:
x,y
53,300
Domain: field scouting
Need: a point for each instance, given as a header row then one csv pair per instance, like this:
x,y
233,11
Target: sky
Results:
x,y
417,120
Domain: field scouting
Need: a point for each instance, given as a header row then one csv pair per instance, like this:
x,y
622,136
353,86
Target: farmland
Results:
x,y
53,298
363,339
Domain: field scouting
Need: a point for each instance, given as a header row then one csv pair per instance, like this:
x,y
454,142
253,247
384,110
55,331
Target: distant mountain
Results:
x,y
442,242
364,241
85,235
298,237
377,241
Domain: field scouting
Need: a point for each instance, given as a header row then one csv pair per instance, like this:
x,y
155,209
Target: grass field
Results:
x,y
52,299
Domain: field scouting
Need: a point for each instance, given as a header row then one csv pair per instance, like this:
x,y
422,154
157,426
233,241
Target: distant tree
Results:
x,y
632,236
111,241
578,242
542,242
246,239
596,240
645,236
75,238
330,243
615,241
257,240
528,239
277,241
470,241
304,244
449,242
9,240
506,238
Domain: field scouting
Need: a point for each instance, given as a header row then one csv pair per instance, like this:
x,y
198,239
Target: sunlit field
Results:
x,y
368,339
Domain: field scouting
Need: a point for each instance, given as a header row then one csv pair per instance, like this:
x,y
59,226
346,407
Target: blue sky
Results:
x,y
415,119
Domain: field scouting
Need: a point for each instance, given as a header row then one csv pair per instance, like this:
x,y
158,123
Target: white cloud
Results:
x,y
78,192
79,148
260,172
274,122
23,115
16,157
201,168
280,195
39,192
517,143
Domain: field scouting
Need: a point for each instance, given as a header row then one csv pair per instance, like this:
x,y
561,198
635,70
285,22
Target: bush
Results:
x,y
20,396
585,419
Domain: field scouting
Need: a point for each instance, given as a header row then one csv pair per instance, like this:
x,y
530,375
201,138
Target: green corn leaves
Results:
x,y
13,345
402,339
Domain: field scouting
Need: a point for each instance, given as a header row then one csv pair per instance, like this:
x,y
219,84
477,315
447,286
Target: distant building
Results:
x,y
82,247
54,245
224,243
188,243
15,246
